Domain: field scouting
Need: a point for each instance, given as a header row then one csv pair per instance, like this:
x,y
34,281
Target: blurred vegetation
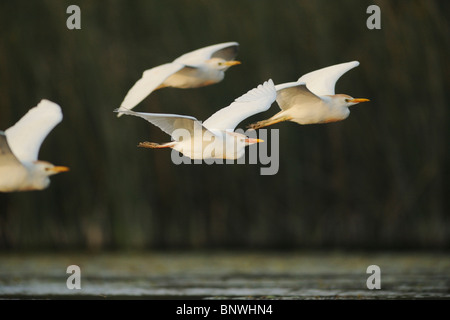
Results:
x,y
378,180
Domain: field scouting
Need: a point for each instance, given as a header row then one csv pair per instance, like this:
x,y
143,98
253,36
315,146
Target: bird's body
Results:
x,y
20,170
13,174
190,77
215,137
312,100
204,145
195,69
27,176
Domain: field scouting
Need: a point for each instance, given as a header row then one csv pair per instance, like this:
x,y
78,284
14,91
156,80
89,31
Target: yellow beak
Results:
x,y
252,141
358,100
231,63
58,169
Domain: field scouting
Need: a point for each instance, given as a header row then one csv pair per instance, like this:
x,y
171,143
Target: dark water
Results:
x,y
206,275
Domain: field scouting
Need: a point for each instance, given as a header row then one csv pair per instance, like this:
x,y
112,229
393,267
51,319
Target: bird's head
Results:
x,y
221,64
347,101
41,171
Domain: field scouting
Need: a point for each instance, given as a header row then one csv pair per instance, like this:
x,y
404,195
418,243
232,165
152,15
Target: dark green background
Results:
x,y
378,180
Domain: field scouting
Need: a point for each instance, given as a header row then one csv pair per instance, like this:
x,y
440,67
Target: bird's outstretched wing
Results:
x,y
226,51
7,158
151,79
254,101
322,82
294,94
26,136
169,123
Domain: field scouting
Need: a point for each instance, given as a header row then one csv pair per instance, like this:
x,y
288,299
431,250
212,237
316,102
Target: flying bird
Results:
x,y
20,169
198,68
312,98
215,137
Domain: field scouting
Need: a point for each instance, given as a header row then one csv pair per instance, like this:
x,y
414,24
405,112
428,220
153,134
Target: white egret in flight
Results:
x,y
195,69
312,98
215,137
20,169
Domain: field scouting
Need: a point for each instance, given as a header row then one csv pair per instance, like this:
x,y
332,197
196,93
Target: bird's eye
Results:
x,y
220,63
347,100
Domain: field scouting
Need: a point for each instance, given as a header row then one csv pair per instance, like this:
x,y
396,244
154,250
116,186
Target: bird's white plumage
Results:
x,y
26,136
20,170
12,171
216,138
151,79
254,101
312,98
191,70
226,51
279,87
322,82
7,158
168,122
295,94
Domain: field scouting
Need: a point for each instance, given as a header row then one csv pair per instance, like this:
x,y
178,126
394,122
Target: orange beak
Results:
x,y
359,100
252,141
231,63
58,169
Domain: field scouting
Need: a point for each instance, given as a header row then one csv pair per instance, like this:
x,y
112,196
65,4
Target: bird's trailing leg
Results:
x,y
268,122
154,145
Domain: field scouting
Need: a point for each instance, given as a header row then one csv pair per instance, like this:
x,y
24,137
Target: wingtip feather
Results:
x,y
49,107
263,89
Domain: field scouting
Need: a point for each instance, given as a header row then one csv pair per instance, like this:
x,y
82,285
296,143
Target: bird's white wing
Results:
x,y
227,51
170,122
322,82
26,136
151,79
254,101
7,158
294,94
